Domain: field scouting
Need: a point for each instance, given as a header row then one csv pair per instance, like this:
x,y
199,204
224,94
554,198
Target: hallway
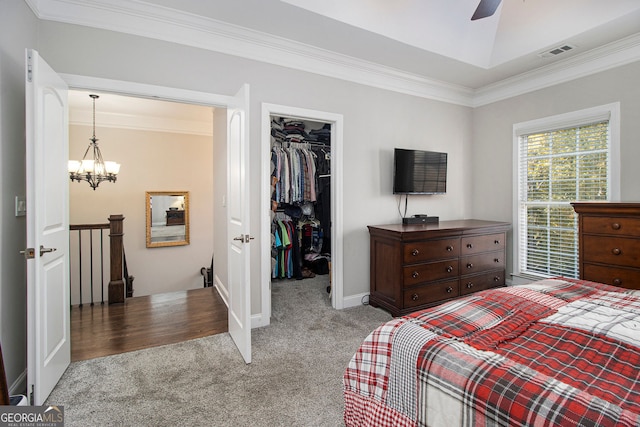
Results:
x,y
146,321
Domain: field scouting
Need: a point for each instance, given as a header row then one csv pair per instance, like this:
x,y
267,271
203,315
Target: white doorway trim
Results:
x,y
167,94
336,121
145,90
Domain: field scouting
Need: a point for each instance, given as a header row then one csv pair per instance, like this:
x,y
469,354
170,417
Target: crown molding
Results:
x,y
612,55
142,19
141,122
139,18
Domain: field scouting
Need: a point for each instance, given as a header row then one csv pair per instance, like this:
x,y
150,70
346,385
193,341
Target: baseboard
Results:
x,y
222,290
355,300
257,321
19,386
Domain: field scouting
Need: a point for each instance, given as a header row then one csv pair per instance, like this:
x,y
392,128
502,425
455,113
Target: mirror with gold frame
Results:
x,y
167,218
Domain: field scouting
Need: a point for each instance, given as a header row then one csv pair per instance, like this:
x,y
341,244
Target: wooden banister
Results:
x,y
120,282
116,284
89,226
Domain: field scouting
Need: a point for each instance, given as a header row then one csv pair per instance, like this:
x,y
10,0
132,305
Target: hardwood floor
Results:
x,y
146,321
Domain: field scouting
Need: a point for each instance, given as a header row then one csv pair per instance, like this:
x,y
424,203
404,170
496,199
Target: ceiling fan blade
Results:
x,y
485,9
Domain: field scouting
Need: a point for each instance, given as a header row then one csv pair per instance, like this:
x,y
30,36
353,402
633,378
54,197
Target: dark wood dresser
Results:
x,y
175,217
418,266
609,243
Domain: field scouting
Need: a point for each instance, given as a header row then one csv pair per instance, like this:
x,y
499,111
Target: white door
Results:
x,y
238,221
48,303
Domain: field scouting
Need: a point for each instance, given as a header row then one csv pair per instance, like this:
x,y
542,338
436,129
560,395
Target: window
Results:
x,y
559,160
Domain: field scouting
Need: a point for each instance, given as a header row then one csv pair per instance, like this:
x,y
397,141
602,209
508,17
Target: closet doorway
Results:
x,y
312,214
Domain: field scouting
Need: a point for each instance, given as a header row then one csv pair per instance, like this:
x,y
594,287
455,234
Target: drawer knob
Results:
x,y
616,251
497,242
449,248
449,269
615,226
469,266
414,297
449,289
415,274
469,245
617,282
469,285
496,260
415,252
496,279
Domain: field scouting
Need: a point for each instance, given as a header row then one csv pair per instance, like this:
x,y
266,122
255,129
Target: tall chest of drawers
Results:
x,y
609,243
417,266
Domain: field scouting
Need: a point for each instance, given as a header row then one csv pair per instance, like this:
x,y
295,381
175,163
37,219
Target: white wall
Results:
x,y
375,121
492,190
220,241
18,30
150,161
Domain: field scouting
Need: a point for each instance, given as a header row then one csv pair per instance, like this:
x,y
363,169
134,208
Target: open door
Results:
x,y
48,324
238,222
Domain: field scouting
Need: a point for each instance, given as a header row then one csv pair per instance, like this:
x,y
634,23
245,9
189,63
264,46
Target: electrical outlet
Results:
x,y
21,205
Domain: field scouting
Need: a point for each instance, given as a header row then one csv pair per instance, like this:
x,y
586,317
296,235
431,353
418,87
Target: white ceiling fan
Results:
x,y
485,9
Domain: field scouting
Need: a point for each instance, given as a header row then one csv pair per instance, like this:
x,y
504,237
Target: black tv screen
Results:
x,y
419,172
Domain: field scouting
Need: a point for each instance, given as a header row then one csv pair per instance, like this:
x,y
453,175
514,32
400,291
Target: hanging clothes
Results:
x,y
300,180
294,173
287,256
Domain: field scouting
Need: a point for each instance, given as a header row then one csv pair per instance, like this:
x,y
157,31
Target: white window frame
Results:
x,y
609,112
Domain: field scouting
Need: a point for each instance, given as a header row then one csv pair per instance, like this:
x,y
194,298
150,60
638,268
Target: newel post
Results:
x,y
116,284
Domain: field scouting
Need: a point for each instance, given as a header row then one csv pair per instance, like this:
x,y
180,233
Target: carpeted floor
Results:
x,y
295,378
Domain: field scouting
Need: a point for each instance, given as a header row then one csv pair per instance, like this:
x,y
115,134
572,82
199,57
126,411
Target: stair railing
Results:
x,y
120,285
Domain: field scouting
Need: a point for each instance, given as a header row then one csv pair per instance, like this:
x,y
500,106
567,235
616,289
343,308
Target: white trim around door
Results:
x,y
183,96
336,121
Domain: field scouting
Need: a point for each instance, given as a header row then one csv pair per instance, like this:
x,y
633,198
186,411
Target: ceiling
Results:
x,y
428,48
434,38
127,112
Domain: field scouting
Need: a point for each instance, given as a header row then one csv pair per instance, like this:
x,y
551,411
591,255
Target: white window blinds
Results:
x,y
555,168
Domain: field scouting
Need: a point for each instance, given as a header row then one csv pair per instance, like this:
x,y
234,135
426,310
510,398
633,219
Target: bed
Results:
x,y
557,352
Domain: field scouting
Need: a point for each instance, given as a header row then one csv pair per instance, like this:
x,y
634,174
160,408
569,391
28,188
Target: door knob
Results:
x,y
244,238
30,253
44,250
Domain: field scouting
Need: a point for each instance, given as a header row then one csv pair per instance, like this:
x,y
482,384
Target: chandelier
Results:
x,y
94,170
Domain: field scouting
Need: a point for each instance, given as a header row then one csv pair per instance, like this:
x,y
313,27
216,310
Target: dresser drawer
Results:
x,y
417,266
480,282
477,244
430,293
611,250
414,252
622,277
482,262
418,273
612,226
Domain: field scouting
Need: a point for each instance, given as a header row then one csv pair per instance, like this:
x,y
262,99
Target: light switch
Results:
x,y
21,205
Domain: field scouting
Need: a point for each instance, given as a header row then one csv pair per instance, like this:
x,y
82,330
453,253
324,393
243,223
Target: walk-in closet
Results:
x,y
300,200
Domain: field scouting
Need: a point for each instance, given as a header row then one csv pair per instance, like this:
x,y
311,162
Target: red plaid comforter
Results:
x,y
558,352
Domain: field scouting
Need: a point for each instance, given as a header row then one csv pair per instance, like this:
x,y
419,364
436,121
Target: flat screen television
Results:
x,y
419,172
